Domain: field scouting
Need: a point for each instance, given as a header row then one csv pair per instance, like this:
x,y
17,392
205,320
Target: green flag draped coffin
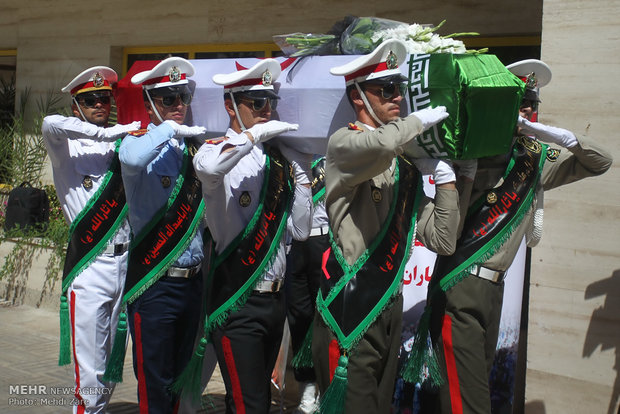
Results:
x,y
481,95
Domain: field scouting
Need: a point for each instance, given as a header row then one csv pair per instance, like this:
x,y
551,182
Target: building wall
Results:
x,y
574,336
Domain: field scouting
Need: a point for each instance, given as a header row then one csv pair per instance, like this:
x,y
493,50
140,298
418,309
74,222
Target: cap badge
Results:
x,y
174,74
98,80
531,81
391,61
267,78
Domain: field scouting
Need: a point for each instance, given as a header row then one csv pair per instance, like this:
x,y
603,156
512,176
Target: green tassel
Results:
x,y
303,358
422,364
64,355
116,360
332,402
190,379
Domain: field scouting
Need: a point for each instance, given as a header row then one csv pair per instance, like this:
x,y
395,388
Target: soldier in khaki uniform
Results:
x,y
465,317
365,184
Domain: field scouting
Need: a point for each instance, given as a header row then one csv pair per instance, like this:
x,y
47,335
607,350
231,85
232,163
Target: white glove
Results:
x,y
545,133
441,170
120,130
181,131
466,168
270,129
301,162
431,116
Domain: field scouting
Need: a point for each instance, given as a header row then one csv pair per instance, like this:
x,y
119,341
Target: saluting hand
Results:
x,y
549,134
181,131
120,130
266,131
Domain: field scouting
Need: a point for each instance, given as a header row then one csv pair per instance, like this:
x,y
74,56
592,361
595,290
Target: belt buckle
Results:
x,y
268,286
488,274
119,249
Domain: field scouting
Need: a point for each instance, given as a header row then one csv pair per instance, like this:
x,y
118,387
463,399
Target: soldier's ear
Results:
x,y
229,107
356,98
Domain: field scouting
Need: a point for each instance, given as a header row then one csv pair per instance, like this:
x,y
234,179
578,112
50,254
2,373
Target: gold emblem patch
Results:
x,y
245,199
552,154
491,197
87,182
165,181
376,195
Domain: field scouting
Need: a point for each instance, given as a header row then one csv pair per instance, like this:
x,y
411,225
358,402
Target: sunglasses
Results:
x,y
258,104
390,90
91,100
529,103
169,100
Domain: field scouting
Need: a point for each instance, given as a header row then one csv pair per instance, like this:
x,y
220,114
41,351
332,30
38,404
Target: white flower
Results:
x,y
419,39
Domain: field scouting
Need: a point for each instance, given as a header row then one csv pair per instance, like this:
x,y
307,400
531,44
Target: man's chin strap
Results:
x,y
79,108
232,98
367,104
148,95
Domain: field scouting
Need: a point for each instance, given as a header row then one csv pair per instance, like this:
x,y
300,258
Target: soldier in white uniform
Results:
x,y
82,150
251,203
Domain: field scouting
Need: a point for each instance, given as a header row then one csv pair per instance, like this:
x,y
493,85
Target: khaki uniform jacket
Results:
x,y
584,160
358,161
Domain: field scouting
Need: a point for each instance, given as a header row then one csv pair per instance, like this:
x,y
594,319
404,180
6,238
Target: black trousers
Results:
x,y
163,323
302,284
247,347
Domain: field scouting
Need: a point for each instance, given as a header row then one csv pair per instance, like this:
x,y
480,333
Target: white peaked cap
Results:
x,y
172,71
96,78
259,77
523,68
382,62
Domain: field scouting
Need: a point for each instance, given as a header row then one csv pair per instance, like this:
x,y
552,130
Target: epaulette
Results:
x,y
354,127
138,132
215,141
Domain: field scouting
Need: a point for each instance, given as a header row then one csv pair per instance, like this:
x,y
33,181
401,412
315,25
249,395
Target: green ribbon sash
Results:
x,y
499,211
96,223
490,223
352,297
152,252
167,235
239,267
89,234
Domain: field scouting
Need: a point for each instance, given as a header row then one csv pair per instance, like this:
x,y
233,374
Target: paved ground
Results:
x,y
28,363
